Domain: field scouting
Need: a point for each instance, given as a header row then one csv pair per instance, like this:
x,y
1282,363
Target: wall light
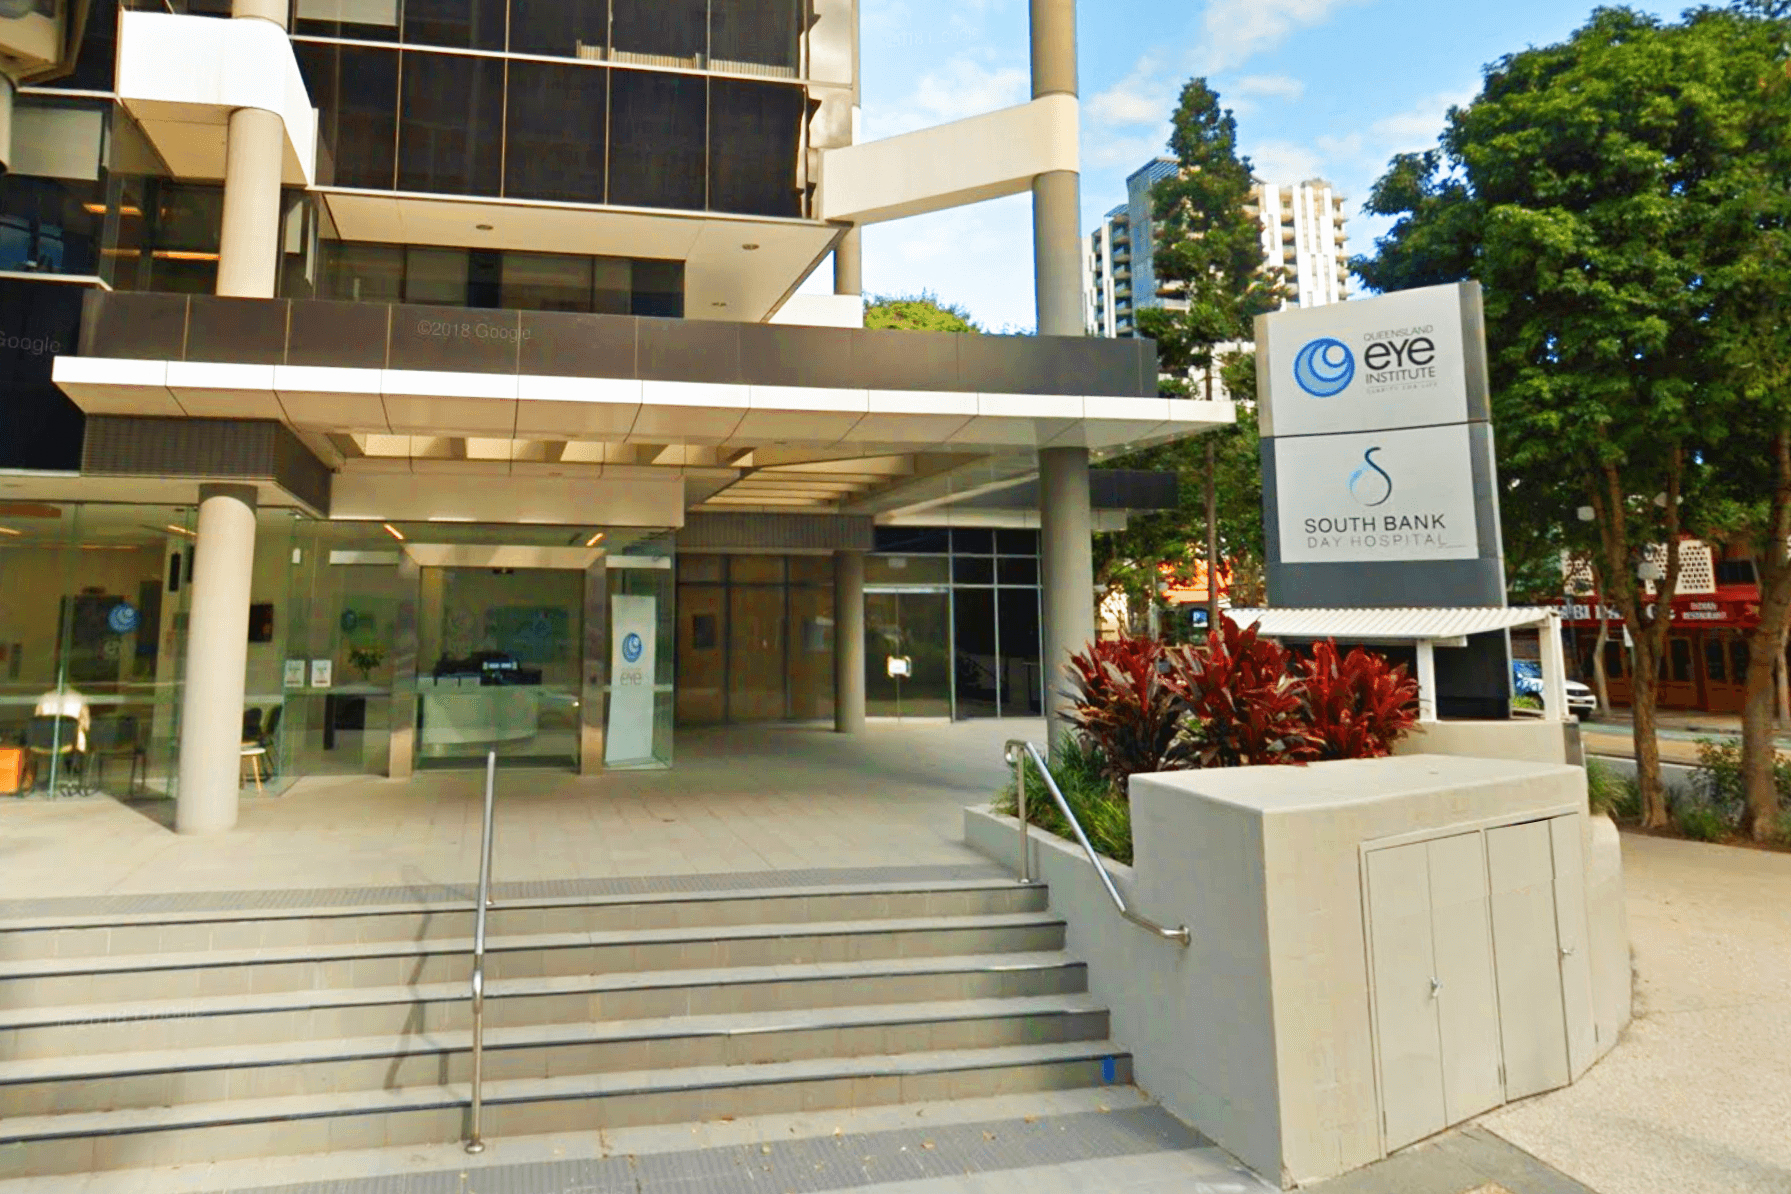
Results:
x,y
393,531
10,531
180,531
594,540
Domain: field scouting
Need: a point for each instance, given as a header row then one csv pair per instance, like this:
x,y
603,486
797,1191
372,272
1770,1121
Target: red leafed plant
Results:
x,y
1356,706
1130,707
1245,703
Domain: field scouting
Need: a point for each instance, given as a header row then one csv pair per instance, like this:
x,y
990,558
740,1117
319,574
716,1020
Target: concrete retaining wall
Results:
x,y
1259,1033
1528,740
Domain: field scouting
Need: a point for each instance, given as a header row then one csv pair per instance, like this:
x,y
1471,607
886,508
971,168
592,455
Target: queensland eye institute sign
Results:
x,y
1378,483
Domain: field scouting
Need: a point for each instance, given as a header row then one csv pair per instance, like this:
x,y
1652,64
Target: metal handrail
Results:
x,y
475,1141
1017,753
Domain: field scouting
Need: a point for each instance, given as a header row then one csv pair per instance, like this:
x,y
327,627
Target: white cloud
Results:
x,y
1419,126
1238,30
1269,87
1285,162
961,87
1145,96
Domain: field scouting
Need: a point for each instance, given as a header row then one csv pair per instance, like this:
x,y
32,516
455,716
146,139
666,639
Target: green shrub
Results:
x,y
1781,830
1718,783
1524,700
1104,814
1629,799
1604,788
1701,822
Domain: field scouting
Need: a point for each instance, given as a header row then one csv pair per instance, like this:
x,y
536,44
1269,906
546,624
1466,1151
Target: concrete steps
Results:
x,y
186,1037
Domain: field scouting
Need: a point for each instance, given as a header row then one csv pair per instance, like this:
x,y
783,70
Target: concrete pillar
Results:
x,y
254,160
249,250
848,642
1057,196
211,711
1066,565
1427,680
848,263
1554,670
6,97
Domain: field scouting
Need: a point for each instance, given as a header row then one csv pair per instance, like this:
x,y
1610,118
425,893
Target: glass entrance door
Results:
x,y
907,653
499,665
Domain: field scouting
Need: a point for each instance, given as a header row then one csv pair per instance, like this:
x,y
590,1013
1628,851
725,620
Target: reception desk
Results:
x,y
464,713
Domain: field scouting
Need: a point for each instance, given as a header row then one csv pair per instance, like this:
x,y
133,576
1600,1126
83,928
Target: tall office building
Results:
x,y
1302,234
361,358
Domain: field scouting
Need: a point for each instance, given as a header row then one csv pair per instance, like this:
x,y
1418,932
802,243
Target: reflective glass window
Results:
x,y
755,134
1021,676
463,24
546,282
355,89
361,273
96,63
660,32
657,140
557,119
658,289
361,20
756,36
612,286
562,28
435,276
449,140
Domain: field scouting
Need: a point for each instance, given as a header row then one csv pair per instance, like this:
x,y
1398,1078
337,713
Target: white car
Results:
x,y
1526,680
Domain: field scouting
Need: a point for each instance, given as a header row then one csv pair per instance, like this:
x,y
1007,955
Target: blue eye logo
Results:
x,y
1371,485
632,648
1325,367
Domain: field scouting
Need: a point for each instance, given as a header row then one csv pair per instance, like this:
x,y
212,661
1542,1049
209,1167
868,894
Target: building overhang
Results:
x,y
736,268
182,76
413,406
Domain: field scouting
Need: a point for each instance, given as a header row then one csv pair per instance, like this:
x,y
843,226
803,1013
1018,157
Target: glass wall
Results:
x,y
355,271
992,578
755,638
92,639
757,37
431,121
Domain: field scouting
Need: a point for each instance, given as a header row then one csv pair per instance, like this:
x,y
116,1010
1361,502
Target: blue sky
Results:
x,y
1320,87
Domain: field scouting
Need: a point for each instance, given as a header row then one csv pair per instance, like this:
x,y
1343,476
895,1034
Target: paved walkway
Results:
x,y
1697,1098
764,799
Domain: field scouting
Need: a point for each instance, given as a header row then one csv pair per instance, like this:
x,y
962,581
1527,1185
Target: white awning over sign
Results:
x,y
1391,625
1426,630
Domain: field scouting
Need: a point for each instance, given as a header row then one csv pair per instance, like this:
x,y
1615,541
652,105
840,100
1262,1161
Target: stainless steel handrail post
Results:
x,y
475,1141
1028,750
1018,759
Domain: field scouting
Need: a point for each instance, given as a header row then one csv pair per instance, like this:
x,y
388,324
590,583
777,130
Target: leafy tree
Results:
x,y
921,312
1587,188
1208,261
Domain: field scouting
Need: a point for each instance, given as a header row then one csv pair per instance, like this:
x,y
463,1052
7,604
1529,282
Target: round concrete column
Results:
x,y
848,263
848,642
1057,196
1066,564
248,252
254,161
211,709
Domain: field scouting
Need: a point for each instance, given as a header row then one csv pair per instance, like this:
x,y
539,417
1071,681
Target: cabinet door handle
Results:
x,y
1567,951
1436,986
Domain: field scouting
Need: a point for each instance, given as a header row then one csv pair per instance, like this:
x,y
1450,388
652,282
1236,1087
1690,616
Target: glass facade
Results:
x,y
599,127
968,595
363,657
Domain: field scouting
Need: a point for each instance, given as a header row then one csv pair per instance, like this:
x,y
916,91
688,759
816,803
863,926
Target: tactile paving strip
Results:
x,y
814,1164
282,899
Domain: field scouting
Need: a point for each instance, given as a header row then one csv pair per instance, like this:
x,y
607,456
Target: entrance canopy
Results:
x,y
1426,630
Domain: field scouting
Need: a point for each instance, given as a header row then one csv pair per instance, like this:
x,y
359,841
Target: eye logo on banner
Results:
x,y
1370,484
123,618
632,648
1325,367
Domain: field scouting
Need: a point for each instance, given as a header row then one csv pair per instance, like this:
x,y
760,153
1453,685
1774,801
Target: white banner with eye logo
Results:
x,y
1384,495
634,623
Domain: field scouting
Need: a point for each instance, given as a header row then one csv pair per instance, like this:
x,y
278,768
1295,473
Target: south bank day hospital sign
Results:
x,y
1367,415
